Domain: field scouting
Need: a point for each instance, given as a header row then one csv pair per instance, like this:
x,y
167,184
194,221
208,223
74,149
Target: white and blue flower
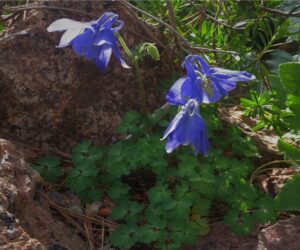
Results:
x,y
187,128
95,40
204,83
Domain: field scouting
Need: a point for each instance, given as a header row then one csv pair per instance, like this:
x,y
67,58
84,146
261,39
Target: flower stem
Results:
x,y
142,93
124,45
134,60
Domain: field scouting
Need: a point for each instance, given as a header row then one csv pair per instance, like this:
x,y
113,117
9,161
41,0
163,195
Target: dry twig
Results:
x,y
175,32
261,168
32,7
280,13
86,223
214,19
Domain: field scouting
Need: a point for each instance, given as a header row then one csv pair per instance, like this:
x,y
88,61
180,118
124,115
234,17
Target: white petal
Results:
x,y
174,123
104,56
67,37
68,24
124,64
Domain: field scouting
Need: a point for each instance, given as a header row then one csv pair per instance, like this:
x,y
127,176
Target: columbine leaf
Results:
x,y
288,197
118,191
239,223
159,193
156,217
125,236
49,168
205,184
84,154
119,212
79,184
94,195
130,121
135,207
266,210
187,165
291,152
179,210
202,207
147,234
82,147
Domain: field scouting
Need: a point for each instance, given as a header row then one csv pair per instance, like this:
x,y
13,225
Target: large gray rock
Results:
x,y
283,234
25,218
52,98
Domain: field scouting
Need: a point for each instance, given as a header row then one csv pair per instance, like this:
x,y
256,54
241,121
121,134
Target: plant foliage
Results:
x,y
180,193
168,201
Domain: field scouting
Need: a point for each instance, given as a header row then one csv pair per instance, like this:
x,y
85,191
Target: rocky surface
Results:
x,y
25,218
284,234
266,141
273,180
52,98
26,221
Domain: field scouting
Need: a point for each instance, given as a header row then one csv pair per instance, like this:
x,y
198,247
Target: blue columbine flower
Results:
x,y
187,128
203,83
95,40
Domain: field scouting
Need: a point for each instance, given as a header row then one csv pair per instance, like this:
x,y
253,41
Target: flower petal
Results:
x,y
187,128
118,56
183,89
102,19
105,36
92,52
68,24
104,57
232,75
73,29
108,24
223,85
203,64
174,124
193,90
172,144
211,96
178,135
200,140
109,20
83,42
94,40
67,37
174,94
189,67
118,25
124,64
191,130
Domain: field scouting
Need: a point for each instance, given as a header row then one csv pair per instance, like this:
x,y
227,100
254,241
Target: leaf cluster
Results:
x,y
168,200
280,110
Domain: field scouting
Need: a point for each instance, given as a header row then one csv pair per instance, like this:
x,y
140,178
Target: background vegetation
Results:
x,y
168,201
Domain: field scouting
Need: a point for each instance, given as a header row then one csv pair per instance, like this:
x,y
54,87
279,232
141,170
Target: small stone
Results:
x,y
12,233
94,207
76,209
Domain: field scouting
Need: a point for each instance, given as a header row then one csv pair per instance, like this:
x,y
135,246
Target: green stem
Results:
x,y
142,93
134,60
124,45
